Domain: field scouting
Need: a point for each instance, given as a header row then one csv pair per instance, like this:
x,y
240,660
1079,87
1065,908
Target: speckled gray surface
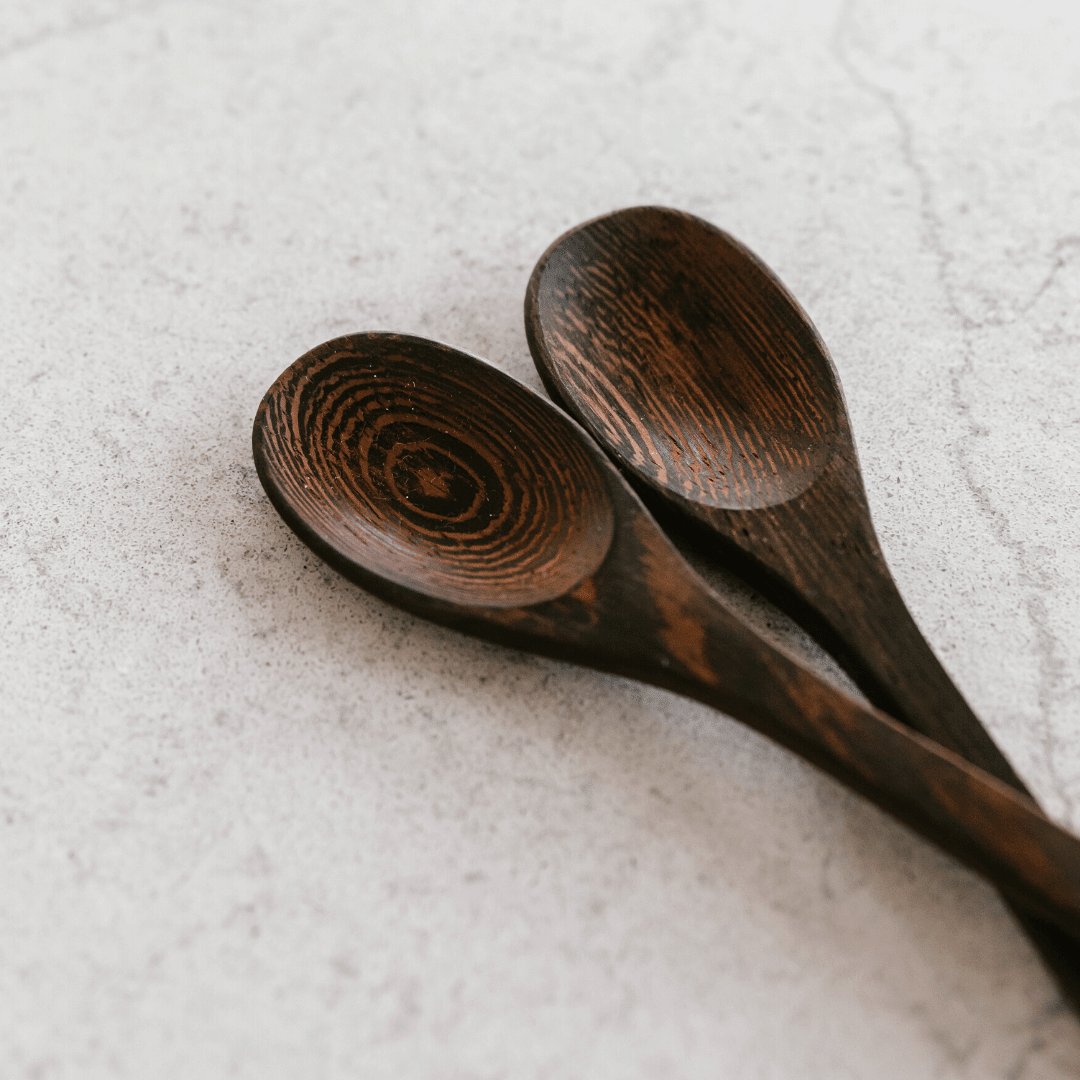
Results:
x,y
255,823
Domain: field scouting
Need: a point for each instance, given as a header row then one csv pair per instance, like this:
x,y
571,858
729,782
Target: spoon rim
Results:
x,y
412,596
837,442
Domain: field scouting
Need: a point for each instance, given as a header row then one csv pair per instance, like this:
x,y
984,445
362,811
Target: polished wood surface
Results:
x,y
404,462
691,363
445,487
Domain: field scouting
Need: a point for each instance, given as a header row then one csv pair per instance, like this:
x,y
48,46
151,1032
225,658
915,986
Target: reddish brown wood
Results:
x,y
400,464
442,485
694,367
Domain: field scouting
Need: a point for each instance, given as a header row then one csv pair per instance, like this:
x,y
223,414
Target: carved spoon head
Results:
x,y
430,477
686,357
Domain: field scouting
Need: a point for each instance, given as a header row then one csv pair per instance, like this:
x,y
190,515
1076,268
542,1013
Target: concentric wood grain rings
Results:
x,y
685,355
416,463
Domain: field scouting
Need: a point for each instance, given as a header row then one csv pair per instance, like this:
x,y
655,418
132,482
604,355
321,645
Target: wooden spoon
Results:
x,y
689,361
444,486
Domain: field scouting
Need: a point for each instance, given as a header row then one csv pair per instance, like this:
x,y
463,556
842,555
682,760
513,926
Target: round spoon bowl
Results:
x,y
676,342
395,461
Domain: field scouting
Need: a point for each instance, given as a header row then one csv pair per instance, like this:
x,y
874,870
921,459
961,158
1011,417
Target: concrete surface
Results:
x,y
253,822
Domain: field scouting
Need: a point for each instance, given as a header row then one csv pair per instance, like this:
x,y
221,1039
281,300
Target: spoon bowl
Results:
x,y
392,459
443,486
701,373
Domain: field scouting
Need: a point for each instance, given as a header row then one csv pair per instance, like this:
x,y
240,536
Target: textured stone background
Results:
x,y
255,823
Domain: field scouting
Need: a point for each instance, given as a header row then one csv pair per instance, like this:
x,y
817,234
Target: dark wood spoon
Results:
x,y
689,361
444,486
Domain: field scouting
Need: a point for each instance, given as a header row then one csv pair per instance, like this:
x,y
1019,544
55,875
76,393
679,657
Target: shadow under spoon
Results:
x,y
688,360
445,487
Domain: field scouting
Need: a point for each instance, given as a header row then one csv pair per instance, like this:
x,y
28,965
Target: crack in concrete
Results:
x,y
1048,645
1068,243
80,24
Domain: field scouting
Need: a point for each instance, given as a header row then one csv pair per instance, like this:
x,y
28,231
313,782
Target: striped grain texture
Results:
x,y
690,401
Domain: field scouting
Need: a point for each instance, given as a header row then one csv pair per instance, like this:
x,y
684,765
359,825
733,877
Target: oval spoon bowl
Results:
x,y
689,356
389,462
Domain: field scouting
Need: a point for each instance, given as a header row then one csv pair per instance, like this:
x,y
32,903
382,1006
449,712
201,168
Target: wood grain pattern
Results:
x,y
385,448
694,367
702,344
378,482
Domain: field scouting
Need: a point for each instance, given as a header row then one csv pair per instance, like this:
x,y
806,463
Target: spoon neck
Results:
x,y
678,635
835,583
645,614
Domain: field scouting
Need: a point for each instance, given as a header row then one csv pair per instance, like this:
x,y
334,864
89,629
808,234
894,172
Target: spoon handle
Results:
x,y
673,632
861,618
839,588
